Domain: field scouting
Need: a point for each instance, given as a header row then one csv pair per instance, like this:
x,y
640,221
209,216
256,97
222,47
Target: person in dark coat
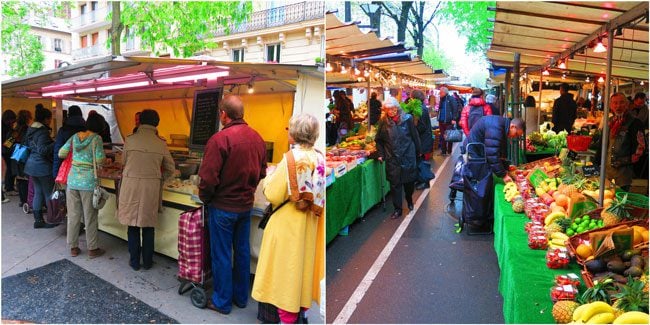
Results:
x,y
17,168
343,110
448,115
8,120
73,124
375,109
39,163
493,131
565,110
106,131
398,144
626,144
423,127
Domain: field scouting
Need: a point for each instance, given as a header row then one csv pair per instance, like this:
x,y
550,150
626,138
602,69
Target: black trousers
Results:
x,y
23,189
135,248
10,178
398,191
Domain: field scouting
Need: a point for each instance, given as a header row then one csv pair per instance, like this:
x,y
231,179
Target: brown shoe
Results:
x,y
97,252
75,251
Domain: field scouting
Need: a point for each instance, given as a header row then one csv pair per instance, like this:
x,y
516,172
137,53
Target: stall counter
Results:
x,y
166,233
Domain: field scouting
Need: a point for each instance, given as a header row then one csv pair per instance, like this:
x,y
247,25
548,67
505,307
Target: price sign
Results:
x,y
591,170
205,115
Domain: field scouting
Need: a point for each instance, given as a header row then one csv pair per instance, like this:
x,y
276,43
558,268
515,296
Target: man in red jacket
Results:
x,y
233,165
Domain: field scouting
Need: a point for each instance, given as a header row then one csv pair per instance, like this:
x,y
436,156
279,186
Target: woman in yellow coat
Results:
x,y
286,265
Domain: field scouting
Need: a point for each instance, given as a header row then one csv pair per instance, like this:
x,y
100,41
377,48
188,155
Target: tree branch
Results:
x,y
432,15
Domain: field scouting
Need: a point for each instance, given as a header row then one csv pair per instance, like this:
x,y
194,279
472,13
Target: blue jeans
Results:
x,y
42,191
230,231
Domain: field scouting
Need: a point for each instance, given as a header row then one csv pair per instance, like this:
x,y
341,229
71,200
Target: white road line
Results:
x,y
362,288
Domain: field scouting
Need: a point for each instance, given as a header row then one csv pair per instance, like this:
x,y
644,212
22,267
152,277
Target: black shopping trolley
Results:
x,y
478,191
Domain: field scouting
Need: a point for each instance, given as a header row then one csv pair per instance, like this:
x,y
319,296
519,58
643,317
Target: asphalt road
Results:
x,y
433,275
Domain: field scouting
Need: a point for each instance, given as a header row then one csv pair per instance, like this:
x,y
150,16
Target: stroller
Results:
x,y
477,187
29,202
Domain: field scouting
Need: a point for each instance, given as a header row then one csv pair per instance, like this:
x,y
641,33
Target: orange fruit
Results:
x,y
645,236
584,251
608,194
555,194
562,200
557,208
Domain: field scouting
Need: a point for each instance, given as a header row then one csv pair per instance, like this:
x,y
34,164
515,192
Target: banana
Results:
x,y
554,246
594,308
558,242
602,318
577,313
551,217
559,235
632,317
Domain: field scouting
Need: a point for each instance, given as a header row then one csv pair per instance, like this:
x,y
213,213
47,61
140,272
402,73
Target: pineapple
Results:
x,y
631,297
644,279
553,227
563,311
615,212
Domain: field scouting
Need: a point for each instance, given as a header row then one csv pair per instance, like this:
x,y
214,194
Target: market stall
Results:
x,y
185,93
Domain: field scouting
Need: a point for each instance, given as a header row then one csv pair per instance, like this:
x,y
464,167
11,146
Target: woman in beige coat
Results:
x,y
147,162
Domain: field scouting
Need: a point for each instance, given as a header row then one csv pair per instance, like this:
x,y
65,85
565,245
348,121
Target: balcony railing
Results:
x,y
274,17
89,18
91,51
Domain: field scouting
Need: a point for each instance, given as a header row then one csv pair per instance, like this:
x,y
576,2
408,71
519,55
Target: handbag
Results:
x,y
64,169
454,135
9,142
100,195
56,206
424,171
268,212
21,153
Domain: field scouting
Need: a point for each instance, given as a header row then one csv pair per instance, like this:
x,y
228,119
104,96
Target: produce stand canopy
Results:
x,y
112,71
541,30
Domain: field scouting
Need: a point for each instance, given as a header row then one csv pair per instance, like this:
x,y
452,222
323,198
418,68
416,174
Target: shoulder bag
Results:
x,y
268,212
21,153
66,165
100,195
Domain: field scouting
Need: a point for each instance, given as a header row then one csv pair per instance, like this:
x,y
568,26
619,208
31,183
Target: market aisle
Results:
x,y
432,276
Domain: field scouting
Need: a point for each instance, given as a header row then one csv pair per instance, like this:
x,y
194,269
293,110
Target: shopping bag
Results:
x,y
56,208
424,171
457,177
21,153
454,135
64,169
100,195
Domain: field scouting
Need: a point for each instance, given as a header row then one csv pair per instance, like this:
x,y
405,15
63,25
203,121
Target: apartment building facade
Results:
x,y
288,32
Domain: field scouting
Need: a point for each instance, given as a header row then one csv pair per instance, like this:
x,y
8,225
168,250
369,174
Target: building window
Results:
x,y
95,38
40,39
130,39
273,53
93,5
238,55
58,46
83,8
84,41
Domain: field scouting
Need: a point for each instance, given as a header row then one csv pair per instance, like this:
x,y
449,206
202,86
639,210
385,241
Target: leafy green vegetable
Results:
x,y
413,107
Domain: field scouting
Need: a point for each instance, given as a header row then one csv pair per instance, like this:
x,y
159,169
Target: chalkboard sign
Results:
x,y
572,155
205,117
592,170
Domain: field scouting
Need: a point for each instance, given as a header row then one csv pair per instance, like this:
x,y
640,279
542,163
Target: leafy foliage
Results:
x,y
436,58
185,27
413,107
24,49
471,19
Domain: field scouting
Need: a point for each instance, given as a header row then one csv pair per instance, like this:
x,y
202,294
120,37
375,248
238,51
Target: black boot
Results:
x,y
40,223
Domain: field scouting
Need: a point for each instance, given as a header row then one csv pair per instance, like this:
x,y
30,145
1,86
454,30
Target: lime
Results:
x,y
592,223
585,217
580,230
601,222
570,232
574,226
577,220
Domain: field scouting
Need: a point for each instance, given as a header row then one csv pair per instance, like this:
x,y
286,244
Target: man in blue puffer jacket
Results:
x,y
493,131
73,124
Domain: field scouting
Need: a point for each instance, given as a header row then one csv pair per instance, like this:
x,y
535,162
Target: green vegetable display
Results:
x,y
413,107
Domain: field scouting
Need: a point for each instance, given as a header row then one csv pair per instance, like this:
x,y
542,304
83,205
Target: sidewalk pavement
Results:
x,y
25,248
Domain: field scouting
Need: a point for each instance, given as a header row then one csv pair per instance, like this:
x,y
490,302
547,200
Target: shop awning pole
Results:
x,y
516,107
539,102
605,135
368,104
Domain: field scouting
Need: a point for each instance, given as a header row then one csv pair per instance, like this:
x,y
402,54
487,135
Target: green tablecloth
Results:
x,y
352,195
525,281
371,186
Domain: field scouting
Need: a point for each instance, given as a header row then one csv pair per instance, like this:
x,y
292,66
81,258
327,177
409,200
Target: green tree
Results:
x,y
24,49
471,20
184,27
437,59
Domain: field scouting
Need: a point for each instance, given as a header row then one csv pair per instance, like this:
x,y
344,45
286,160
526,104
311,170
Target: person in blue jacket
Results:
x,y
493,131
39,162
